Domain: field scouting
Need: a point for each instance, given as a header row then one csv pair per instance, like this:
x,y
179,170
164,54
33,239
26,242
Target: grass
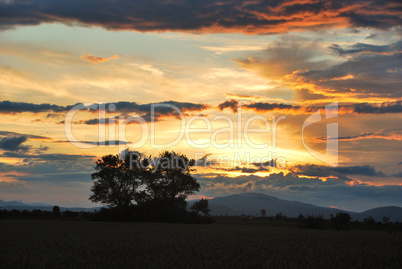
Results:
x,y
75,244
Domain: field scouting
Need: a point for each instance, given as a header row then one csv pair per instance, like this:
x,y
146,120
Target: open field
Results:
x,y
39,244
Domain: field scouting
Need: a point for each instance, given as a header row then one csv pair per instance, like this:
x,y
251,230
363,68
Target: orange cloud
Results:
x,y
97,60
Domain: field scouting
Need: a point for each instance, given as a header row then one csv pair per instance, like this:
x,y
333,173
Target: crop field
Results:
x,y
75,244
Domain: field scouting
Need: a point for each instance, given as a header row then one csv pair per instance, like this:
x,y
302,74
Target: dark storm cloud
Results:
x,y
386,107
61,178
232,104
260,106
161,107
106,143
365,108
389,135
366,170
48,157
96,121
148,112
8,107
271,163
357,108
50,167
378,21
364,75
262,16
205,161
37,137
368,48
246,170
367,70
13,143
325,171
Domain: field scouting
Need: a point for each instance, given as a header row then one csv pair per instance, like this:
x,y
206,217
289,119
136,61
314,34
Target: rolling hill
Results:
x,y
394,213
251,204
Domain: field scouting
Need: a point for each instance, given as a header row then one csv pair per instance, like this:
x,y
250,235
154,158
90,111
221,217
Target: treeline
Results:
x,y
343,221
340,221
107,214
45,215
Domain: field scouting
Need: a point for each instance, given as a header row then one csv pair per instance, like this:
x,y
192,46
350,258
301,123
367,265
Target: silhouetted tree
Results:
x,y
201,206
263,213
116,181
170,182
385,220
56,211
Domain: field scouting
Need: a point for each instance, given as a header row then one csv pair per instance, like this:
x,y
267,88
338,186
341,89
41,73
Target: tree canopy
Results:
x,y
159,185
170,181
115,183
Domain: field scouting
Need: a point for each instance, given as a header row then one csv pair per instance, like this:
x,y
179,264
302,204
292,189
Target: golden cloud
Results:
x,y
96,60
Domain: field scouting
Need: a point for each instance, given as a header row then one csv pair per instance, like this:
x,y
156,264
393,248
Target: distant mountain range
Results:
x,y
41,206
17,203
249,204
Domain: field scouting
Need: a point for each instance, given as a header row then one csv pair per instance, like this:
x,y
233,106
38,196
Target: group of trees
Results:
x,y
341,221
137,187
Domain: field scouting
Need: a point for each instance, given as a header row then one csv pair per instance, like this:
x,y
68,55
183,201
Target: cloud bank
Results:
x,y
161,109
211,16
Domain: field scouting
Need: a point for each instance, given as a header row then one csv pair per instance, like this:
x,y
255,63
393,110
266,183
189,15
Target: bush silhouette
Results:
x,y
201,206
311,222
56,211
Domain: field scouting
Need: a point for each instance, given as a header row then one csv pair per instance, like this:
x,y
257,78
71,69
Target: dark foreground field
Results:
x,y
40,244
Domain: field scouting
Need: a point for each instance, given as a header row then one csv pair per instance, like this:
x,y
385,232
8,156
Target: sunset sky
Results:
x,y
221,63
